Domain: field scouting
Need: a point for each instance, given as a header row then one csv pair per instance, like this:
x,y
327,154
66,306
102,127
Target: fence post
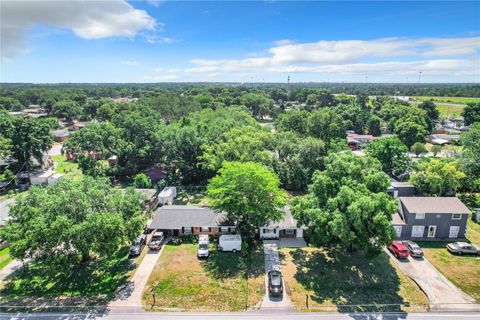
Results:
x,y
306,300
154,297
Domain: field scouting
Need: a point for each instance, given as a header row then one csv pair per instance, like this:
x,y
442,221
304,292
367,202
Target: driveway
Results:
x,y
272,262
130,297
441,293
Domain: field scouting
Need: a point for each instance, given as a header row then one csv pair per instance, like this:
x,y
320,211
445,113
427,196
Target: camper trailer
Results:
x,y
230,242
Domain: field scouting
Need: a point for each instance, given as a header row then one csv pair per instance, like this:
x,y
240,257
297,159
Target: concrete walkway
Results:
x,y
441,293
272,262
130,297
10,268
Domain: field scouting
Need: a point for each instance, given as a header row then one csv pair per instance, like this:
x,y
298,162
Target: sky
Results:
x,y
45,41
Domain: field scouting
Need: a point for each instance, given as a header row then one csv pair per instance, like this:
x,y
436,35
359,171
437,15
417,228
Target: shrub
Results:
x,y
141,181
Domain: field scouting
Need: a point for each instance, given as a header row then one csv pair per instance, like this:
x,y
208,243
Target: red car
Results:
x,y
399,250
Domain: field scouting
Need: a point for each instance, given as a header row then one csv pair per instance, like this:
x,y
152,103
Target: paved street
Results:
x,y
272,262
243,316
442,294
131,296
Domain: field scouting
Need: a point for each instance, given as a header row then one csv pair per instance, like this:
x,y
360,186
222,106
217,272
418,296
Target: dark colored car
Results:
x,y
413,248
275,283
399,250
137,246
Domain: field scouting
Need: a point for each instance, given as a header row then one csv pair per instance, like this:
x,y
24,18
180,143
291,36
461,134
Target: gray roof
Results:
x,y
288,221
4,210
447,205
397,219
178,216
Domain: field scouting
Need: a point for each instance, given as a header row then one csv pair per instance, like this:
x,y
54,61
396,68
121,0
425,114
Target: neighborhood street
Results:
x,y
442,294
242,316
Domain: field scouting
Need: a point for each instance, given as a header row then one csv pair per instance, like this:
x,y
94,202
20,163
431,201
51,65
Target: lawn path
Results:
x,y
9,269
131,296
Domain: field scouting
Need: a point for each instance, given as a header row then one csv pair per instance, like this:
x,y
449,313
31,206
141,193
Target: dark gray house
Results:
x,y
430,218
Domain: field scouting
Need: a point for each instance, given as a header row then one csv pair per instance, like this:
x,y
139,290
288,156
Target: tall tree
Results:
x,y
431,108
347,203
438,178
70,222
470,157
67,109
471,113
249,194
391,153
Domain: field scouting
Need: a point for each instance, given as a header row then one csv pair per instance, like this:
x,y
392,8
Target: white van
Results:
x,y
203,242
230,242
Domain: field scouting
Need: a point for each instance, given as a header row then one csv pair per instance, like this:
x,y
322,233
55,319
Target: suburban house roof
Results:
x,y
397,219
447,205
288,221
178,216
155,174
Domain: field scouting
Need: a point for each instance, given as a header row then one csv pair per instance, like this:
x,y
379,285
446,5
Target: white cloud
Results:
x,y
153,39
170,77
130,62
395,56
87,19
283,42
167,70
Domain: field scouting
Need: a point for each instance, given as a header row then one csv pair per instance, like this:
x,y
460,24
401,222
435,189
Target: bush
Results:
x,y
176,241
141,181
190,238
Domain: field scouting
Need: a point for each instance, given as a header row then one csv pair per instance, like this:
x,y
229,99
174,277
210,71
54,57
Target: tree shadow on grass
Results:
x,y
93,279
351,281
223,265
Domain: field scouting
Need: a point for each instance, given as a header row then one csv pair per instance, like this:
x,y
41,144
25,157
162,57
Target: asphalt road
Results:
x,y
243,316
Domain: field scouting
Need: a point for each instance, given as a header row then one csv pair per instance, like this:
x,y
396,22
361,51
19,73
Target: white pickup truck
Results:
x,y
155,242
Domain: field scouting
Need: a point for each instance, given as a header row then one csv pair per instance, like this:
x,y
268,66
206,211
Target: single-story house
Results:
x,y
285,228
430,218
442,139
358,141
155,174
178,220
45,177
5,210
60,135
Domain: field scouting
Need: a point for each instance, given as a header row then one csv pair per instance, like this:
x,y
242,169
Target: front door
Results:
x,y
417,231
454,230
431,231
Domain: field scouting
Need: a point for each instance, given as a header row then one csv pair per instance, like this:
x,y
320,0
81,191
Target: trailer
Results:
x,y
230,242
167,195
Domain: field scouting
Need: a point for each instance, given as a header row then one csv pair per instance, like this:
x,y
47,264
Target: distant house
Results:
x,y
285,228
430,218
178,220
155,174
60,135
441,139
5,210
47,177
358,141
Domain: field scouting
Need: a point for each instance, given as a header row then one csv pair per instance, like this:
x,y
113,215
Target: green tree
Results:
x,y
470,157
347,204
11,104
431,108
326,124
70,222
391,153
436,149
471,113
141,181
294,120
418,148
410,132
374,126
438,178
249,194
67,109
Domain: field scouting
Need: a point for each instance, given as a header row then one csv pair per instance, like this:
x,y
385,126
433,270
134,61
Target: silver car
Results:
x,y
463,247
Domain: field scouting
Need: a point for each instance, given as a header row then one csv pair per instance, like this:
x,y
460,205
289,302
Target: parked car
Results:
x,y
399,250
137,246
230,242
413,248
463,247
203,242
155,242
275,283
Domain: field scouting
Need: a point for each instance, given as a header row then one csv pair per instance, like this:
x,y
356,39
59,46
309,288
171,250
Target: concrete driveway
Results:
x,y
272,262
130,296
441,293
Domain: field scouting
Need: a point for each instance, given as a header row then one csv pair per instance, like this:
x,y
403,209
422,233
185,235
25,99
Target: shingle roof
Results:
x,y
178,216
288,221
447,205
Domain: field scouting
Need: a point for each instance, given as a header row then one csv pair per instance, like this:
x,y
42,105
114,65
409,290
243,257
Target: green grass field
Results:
x,y
4,257
459,100
447,109
70,169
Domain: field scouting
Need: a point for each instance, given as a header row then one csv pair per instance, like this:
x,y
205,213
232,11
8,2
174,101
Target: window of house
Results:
x,y
231,229
187,230
205,229
420,216
289,231
456,216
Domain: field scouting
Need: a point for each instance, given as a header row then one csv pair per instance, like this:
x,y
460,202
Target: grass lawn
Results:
x,y
463,271
183,282
335,280
459,100
449,110
99,278
4,257
70,169
191,195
